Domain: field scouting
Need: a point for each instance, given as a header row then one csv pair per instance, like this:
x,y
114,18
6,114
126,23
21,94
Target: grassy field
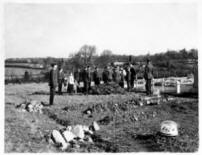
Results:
x,y
125,127
9,71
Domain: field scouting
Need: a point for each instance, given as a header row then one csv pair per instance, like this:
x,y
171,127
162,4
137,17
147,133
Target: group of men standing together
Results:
x,y
86,76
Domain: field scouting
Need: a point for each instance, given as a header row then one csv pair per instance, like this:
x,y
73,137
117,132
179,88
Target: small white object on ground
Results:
x,y
169,128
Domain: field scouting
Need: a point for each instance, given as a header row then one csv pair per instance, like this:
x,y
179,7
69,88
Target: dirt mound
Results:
x,y
40,93
106,120
53,116
104,89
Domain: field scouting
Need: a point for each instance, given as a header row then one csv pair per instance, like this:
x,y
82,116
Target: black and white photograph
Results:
x,y
106,77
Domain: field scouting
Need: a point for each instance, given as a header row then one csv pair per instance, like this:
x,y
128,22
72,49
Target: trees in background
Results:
x,y
173,63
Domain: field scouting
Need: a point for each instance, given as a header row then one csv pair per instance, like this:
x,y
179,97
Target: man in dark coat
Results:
x,y
105,75
122,77
96,77
53,82
133,75
110,72
60,80
77,78
128,78
148,75
77,75
116,75
86,79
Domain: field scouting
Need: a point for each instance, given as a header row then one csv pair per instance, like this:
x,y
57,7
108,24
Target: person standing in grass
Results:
x,y
86,79
96,77
133,75
148,75
128,77
60,80
105,75
122,74
71,83
53,82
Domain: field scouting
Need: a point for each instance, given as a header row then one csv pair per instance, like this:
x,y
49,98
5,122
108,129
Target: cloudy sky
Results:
x,y
41,30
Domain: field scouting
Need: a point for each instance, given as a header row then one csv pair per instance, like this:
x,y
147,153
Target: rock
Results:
x,y
58,139
34,106
169,128
65,146
88,139
77,146
87,129
68,135
88,111
96,126
141,103
156,92
23,110
154,114
135,118
105,121
69,128
78,131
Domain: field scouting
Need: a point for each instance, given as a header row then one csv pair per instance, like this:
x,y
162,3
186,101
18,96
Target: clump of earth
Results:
x,y
109,88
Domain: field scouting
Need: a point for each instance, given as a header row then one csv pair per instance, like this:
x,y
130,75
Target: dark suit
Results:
x,y
96,77
128,79
148,75
60,81
53,83
133,74
86,80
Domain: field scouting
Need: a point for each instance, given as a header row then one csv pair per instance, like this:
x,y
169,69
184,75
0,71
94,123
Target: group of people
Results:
x,y
88,75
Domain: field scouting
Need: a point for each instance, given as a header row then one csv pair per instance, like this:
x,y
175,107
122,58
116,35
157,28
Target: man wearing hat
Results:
x,y
53,82
96,76
148,75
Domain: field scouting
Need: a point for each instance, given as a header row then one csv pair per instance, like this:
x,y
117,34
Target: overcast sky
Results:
x,y
41,30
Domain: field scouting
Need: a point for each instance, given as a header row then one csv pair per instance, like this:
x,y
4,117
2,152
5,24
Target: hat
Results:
x,y
148,59
53,64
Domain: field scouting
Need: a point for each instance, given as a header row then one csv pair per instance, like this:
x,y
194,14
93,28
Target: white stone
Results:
x,y
88,112
96,126
78,131
87,129
58,138
140,103
69,128
68,135
64,147
169,128
156,92
89,139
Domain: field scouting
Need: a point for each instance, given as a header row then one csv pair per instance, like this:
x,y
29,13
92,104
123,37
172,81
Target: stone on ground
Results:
x,y
78,131
68,135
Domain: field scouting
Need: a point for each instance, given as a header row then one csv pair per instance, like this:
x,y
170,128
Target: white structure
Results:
x,y
169,128
178,89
